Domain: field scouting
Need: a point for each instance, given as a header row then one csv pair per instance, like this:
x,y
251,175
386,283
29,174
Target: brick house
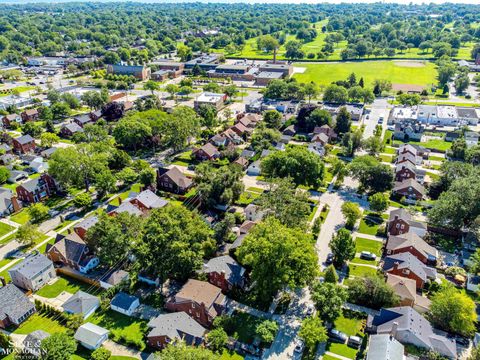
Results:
x,y
7,120
37,189
407,170
327,130
410,188
82,227
206,152
68,130
402,222
16,308
168,328
23,144
408,266
30,115
225,272
173,180
414,244
199,299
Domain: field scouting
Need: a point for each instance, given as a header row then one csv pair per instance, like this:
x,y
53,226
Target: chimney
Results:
x,y
2,281
15,204
393,332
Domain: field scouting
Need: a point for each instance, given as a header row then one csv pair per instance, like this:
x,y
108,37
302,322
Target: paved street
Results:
x,y
379,108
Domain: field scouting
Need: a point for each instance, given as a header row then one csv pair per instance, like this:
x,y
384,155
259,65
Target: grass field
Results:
x,y
39,322
20,217
62,284
5,229
361,271
440,145
326,73
369,225
373,246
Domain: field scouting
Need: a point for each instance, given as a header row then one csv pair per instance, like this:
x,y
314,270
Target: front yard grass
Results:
x,y
40,322
123,329
373,246
5,228
370,224
360,270
228,355
342,350
62,284
21,217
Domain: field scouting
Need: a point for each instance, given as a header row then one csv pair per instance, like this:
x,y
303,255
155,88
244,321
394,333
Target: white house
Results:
x,y
81,303
254,169
124,303
253,213
91,336
39,165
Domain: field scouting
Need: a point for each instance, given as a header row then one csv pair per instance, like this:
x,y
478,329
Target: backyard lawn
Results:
x,y
362,244
434,144
351,326
370,224
360,270
228,355
122,328
342,350
39,322
63,284
326,73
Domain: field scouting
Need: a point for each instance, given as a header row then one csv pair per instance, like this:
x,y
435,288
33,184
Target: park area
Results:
x,y
398,72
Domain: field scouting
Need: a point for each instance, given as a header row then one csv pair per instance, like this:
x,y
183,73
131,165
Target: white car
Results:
x,y
310,310
299,347
367,255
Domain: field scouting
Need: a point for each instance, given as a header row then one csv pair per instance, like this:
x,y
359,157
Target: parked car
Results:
x,y
310,310
354,341
329,259
367,255
338,336
299,347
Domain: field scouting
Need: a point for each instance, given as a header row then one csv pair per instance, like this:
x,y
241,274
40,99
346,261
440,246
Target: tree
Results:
x,y
331,275
458,149
352,213
267,43
409,99
83,200
132,131
335,94
273,119
60,110
28,234
343,247
93,99
104,182
373,145
178,128
328,299
112,236
302,166
32,129
231,91
343,121
278,256
223,229
312,332
461,83
173,243
217,339
351,141
151,86
184,53
287,204
47,139
294,50
318,117
38,212
58,346
4,174
208,113
127,175
453,311
372,291
218,186
378,202
180,351
266,330
263,137
311,91
475,354
148,177
372,175
172,89
101,354
71,100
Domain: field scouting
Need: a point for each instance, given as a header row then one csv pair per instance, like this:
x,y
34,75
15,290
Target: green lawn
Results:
x,y
357,260
184,159
350,326
326,73
20,217
390,150
362,244
62,284
5,229
228,355
435,144
369,225
361,271
247,197
39,322
342,350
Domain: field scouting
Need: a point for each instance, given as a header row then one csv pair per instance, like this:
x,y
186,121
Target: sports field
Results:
x,y
398,72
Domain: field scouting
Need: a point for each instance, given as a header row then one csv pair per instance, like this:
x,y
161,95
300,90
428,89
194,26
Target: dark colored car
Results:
x,y
329,259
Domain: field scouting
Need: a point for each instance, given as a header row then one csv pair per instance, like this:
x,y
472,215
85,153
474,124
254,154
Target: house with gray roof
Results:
x,y
148,200
83,226
405,264
91,336
409,327
35,271
225,272
70,129
8,204
167,328
126,207
124,303
401,221
15,306
16,176
81,303
384,346
33,341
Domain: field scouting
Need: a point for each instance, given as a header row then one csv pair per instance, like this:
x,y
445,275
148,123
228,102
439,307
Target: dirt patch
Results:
x,y
412,64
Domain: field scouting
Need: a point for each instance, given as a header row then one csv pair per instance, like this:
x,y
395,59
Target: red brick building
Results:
x,y
225,272
173,180
23,144
29,115
37,189
408,266
413,244
206,152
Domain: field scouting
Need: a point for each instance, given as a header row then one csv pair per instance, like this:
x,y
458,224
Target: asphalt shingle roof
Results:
x,y
14,303
175,326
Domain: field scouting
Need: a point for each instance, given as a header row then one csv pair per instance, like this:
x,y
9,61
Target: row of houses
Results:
x,y
409,177
446,115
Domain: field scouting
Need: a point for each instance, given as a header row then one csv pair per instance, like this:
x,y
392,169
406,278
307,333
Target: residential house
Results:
x,y
451,136
125,207
246,226
139,71
407,156
206,152
173,180
219,140
84,119
32,343
23,144
124,303
70,129
241,130
15,306
384,347
114,278
471,138
254,169
39,165
232,136
252,117
212,99
467,115
201,300
327,130
225,272
8,202
409,327
37,189
35,271
242,162
247,154
47,153
168,328
7,148
147,200
410,188
73,252
29,115
402,222
407,170
17,176
83,226
316,148
407,265
406,289
289,130
7,159
253,213
473,283
410,150
81,303
247,122
9,119
321,139
408,130
91,336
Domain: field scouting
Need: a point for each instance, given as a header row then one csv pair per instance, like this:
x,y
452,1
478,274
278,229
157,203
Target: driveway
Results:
x,y
379,108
